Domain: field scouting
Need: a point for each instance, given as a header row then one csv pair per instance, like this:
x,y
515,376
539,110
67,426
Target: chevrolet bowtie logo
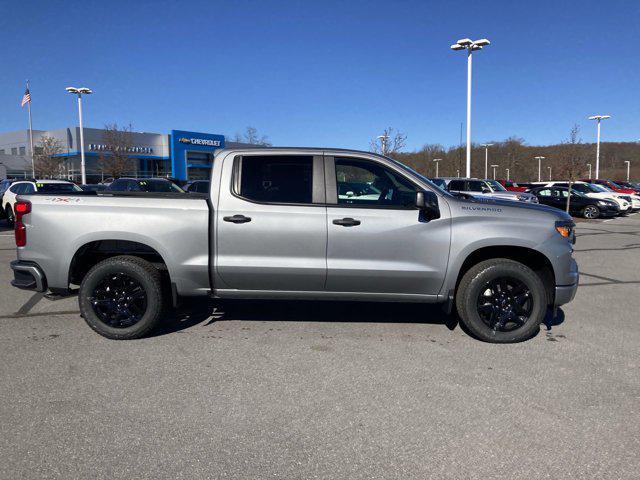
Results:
x,y
184,140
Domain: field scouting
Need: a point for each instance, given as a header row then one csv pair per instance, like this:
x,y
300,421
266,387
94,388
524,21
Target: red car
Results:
x,y
511,186
611,185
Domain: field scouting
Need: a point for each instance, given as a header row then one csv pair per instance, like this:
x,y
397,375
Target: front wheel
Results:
x,y
591,212
121,298
501,301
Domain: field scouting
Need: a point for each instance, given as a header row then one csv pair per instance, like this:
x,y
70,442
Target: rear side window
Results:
x,y
476,186
274,178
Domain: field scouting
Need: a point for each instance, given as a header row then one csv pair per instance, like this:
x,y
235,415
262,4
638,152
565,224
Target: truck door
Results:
x,y
272,223
378,242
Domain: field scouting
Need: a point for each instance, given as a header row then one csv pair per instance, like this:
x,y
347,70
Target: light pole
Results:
x,y
549,167
507,170
437,160
457,173
494,170
539,167
628,168
598,118
383,142
486,158
470,46
589,165
79,92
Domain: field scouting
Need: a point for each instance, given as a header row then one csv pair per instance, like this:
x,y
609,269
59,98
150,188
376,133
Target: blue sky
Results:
x,y
326,73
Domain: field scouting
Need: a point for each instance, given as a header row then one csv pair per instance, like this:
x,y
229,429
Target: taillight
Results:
x,y
21,209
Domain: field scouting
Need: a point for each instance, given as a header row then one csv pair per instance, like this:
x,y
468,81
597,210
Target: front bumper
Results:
x,y
564,294
28,276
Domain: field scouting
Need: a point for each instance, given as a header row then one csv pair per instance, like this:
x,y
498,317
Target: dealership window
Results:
x,y
275,178
2,152
22,151
14,151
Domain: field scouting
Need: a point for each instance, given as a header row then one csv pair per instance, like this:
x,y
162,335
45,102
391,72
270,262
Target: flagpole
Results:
x,y
33,163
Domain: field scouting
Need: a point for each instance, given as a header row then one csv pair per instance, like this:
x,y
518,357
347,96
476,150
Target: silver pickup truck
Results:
x,y
298,223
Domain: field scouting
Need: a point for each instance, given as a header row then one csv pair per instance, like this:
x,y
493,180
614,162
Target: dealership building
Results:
x,y
179,154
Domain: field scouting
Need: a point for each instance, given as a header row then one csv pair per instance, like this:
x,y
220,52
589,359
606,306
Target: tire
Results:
x,y
591,212
472,300
135,310
8,211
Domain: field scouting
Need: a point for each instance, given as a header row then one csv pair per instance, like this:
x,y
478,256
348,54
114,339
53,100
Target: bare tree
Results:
x,y
572,159
252,137
47,163
389,143
114,159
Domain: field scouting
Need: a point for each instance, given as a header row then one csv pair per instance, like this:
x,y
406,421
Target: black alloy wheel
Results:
x,y
119,300
505,304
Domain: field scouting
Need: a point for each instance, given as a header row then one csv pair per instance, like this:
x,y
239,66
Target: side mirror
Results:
x,y
427,202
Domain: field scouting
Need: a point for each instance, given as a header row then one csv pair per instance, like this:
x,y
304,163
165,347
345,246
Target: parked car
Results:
x,y
198,186
596,191
632,186
512,186
276,227
93,187
486,189
157,185
26,187
580,205
4,186
605,186
610,185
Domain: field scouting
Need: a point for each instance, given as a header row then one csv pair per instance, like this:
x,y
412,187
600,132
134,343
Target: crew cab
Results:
x,y
26,187
276,225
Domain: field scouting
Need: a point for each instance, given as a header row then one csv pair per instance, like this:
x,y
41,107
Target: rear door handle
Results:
x,y
346,222
237,219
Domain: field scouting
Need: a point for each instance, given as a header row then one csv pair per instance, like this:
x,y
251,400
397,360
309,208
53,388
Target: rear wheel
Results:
x,y
591,212
9,214
121,298
501,301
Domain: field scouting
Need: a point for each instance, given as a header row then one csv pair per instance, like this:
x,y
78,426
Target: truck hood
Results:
x,y
492,205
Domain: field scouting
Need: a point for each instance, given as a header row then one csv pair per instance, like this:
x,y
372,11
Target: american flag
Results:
x,y
26,98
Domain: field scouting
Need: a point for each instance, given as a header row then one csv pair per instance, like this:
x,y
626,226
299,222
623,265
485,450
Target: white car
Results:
x,y
26,187
486,189
624,201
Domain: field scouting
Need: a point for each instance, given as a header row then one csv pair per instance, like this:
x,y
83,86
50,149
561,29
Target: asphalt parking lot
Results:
x,y
330,390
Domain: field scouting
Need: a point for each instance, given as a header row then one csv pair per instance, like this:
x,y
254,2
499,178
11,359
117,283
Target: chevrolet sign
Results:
x,y
200,141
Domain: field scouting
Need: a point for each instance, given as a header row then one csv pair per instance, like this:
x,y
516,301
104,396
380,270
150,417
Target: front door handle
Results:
x,y
237,219
346,222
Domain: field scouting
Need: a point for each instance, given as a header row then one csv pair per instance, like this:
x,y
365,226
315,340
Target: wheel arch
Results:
x,y
534,259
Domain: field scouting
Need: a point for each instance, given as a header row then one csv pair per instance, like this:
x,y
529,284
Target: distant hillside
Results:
x,y
518,157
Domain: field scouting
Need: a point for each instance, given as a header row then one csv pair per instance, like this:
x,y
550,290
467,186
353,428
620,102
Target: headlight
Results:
x,y
603,203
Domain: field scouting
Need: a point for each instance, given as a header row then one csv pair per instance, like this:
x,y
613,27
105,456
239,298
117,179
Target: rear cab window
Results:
x,y
274,178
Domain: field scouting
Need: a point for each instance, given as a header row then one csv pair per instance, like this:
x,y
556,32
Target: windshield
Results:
x,y
58,187
599,188
496,185
160,186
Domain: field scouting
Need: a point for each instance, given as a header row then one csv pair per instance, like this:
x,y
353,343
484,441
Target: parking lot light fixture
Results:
x,y
539,167
486,158
437,161
628,168
598,118
507,170
383,143
494,170
470,46
589,165
549,167
79,92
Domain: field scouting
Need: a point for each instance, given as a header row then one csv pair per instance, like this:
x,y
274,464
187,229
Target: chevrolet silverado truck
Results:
x,y
298,223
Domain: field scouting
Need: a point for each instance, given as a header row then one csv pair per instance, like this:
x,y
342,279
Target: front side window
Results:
x,y
361,182
275,178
